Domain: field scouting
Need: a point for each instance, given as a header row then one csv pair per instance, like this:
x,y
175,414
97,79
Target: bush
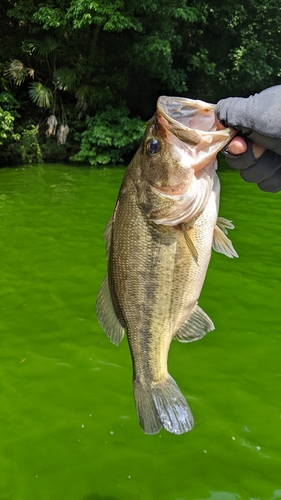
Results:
x,y
54,152
109,136
30,150
8,114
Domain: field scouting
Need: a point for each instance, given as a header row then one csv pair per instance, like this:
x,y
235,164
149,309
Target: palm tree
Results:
x,y
50,81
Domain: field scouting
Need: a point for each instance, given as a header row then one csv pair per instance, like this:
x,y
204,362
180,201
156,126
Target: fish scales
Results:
x,y
154,278
160,283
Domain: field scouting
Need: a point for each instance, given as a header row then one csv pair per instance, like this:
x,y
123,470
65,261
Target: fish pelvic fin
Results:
x,y
221,243
195,327
224,224
106,314
190,243
162,405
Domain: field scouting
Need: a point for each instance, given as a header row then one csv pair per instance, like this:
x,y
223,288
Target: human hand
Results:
x,y
257,155
238,146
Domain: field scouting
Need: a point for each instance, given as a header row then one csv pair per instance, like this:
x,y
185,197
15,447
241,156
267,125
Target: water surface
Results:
x,y
68,426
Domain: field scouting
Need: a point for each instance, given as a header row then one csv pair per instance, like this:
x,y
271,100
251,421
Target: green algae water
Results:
x,y
68,427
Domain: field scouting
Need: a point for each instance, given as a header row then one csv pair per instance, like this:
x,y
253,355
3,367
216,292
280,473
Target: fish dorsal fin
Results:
x,y
195,327
221,243
106,314
190,243
107,236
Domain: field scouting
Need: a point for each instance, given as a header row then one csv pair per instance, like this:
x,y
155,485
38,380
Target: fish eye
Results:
x,y
152,146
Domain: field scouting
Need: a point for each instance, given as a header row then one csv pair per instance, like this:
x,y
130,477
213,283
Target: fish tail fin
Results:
x,y
162,405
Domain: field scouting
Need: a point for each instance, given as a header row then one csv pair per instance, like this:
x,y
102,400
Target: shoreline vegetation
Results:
x,y
79,79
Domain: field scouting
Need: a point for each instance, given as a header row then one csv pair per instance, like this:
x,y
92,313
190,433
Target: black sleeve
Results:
x,y
257,117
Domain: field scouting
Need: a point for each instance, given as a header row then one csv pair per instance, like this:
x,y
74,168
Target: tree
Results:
x,y
80,58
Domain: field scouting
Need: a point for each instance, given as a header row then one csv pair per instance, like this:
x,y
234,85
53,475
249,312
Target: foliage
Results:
x,y
40,95
30,149
9,103
53,152
79,59
110,135
17,72
237,48
8,114
6,126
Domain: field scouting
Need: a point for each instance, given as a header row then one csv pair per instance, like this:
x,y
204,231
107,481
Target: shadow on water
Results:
x,y
95,496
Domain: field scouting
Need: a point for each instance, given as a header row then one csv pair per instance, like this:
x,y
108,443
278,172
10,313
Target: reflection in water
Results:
x,y
222,495
95,496
276,494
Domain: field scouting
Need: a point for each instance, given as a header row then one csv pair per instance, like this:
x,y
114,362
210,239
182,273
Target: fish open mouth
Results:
x,y
189,113
193,122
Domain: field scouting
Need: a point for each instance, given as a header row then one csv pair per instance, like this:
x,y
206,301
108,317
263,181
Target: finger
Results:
x,y
218,124
273,184
257,150
237,146
242,160
264,168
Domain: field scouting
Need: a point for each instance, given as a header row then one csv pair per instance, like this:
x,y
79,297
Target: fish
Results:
x,y
158,247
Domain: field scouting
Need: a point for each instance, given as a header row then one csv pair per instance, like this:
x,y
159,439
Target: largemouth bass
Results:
x,y
158,246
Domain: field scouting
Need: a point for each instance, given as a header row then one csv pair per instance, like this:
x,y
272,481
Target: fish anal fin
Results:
x,y
195,327
189,243
106,314
162,404
221,243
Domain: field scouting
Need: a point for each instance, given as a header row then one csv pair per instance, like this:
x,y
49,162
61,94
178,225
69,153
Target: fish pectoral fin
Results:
x,y
106,314
221,243
195,327
190,243
162,404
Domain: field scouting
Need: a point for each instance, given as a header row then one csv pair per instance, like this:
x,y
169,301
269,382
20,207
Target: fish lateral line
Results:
x,y
189,243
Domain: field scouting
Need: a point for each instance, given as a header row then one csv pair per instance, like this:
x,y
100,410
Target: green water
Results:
x,y
68,428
